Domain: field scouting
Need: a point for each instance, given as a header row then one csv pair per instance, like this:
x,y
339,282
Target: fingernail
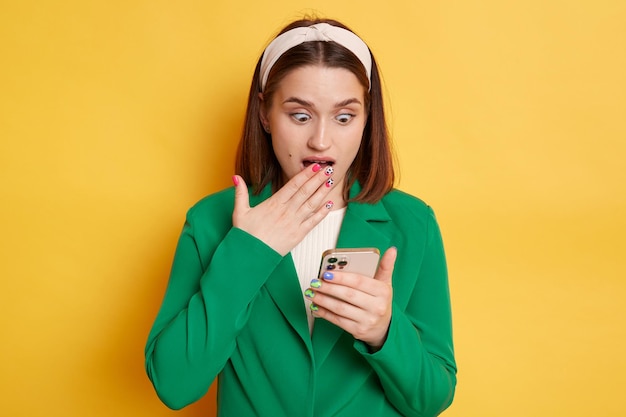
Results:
x,y
329,204
314,307
316,167
235,180
330,182
328,275
309,293
316,283
329,171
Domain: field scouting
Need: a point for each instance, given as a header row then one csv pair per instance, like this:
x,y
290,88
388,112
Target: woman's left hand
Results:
x,y
358,304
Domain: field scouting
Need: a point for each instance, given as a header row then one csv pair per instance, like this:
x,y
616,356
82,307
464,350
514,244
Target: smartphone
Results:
x,y
362,261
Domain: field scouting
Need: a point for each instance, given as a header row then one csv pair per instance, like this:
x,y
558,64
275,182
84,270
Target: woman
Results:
x,y
243,302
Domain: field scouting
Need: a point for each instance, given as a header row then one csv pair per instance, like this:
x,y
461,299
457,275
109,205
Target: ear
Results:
x,y
263,113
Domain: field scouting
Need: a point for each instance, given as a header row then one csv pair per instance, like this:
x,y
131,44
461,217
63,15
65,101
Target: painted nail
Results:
x,y
314,307
235,180
329,183
316,283
328,275
309,293
329,204
316,167
329,171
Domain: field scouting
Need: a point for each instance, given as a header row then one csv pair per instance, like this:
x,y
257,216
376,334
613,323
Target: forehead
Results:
x,y
321,82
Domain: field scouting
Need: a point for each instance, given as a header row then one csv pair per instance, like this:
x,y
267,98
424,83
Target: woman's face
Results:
x,y
317,116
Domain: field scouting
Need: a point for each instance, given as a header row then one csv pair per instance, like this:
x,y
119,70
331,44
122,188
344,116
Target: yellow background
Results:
x,y
509,118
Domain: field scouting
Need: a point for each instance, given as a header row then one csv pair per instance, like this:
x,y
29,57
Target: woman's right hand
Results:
x,y
285,218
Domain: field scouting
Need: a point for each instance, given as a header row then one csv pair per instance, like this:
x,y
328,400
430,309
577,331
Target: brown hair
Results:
x,y
373,165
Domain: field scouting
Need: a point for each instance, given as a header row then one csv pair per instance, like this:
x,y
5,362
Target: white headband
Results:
x,y
318,32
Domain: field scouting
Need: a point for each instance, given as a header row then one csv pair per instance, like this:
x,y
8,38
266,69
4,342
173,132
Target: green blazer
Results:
x,y
234,309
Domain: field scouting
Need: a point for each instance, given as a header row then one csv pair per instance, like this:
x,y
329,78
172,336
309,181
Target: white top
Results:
x,y
307,255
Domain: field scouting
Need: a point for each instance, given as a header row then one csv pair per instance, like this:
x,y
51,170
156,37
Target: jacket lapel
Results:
x,y
284,287
364,225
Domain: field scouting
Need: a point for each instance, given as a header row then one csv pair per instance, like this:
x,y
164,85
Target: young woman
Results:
x,y
244,302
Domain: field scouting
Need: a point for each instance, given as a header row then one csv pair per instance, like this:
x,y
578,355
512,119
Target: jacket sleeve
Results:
x,y
416,365
206,304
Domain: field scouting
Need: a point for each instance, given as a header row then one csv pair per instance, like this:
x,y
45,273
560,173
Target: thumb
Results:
x,y
242,199
385,268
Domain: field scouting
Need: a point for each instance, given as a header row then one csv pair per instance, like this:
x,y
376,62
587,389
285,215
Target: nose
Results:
x,y
320,139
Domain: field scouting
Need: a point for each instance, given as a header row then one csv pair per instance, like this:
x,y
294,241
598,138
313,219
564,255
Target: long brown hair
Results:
x,y
373,165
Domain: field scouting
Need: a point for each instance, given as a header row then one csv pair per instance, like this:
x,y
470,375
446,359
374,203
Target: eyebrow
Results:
x,y
309,104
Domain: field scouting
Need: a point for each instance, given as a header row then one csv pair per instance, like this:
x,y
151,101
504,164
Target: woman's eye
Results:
x,y
301,117
344,118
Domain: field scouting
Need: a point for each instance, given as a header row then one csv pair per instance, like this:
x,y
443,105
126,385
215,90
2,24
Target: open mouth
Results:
x,y
308,162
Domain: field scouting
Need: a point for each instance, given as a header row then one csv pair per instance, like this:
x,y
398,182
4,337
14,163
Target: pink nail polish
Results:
x,y
316,167
329,171
329,183
329,204
235,180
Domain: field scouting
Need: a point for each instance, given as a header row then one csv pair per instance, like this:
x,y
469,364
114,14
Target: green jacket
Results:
x,y
234,309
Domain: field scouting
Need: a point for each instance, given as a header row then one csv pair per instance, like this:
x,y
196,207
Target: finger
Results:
x,y
294,184
335,293
385,268
313,219
312,199
242,199
342,322
335,282
355,289
303,185
353,320
329,305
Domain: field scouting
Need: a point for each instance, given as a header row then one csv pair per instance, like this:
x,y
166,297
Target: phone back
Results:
x,y
362,261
